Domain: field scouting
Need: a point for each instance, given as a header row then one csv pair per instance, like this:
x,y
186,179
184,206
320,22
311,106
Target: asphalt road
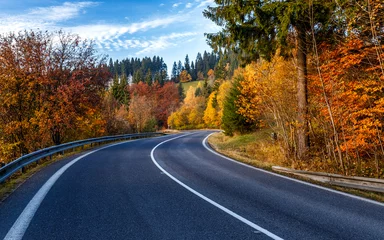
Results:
x,y
174,188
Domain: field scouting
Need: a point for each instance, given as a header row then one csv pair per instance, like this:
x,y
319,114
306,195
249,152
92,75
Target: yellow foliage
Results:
x,y
210,114
185,76
221,96
190,114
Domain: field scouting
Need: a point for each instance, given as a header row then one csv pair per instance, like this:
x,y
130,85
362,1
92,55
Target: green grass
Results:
x,y
190,84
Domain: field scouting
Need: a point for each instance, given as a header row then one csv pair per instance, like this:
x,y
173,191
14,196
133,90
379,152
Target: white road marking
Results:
x,y
288,178
226,210
18,229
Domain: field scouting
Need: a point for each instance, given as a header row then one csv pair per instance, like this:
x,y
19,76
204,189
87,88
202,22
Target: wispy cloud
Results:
x,y
43,17
60,13
136,37
164,42
103,33
176,4
205,3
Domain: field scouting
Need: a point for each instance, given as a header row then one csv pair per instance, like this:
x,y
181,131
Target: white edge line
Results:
x,y
226,210
288,178
19,228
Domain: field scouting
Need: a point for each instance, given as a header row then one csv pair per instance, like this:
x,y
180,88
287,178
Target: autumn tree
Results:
x,y
232,121
51,84
167,101
259,28
211,113
190,114
185,76
140,114
268,97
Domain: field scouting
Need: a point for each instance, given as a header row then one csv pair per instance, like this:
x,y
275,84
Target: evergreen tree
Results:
x,y
137,76
205,63
119,91
193,71
181,92
199,63
180,67
187,66
110,67
174,73
232,121
148,77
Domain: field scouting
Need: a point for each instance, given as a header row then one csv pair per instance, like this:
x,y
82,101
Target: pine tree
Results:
x,y
180,67
181,92
187,66
110,67
148,77
193,71
137,76
174,72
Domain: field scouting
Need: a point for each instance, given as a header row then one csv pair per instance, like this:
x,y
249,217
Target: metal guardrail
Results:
x,y
19,164
369,184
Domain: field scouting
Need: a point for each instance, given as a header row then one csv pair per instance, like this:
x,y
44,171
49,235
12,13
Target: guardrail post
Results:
x,y
2,164
23,170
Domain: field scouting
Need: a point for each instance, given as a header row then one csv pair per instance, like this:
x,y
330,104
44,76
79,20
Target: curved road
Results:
x,y
174,187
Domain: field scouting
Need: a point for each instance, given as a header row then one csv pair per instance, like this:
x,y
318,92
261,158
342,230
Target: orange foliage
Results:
x,y
352,83
185,76
50,91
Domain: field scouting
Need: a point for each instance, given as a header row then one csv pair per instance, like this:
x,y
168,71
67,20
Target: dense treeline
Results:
x,y
137,70
314,74
51,89
223,63
54,88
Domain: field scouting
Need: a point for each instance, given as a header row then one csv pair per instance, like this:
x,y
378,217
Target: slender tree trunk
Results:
x,y
302,96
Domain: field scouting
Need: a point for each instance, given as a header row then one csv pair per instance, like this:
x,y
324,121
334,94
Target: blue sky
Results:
x,y
166,28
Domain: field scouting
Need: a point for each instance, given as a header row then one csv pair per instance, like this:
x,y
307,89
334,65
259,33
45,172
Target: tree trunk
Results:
x,y
302,96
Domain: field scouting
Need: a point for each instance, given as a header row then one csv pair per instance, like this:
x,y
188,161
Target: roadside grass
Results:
x,y
258,149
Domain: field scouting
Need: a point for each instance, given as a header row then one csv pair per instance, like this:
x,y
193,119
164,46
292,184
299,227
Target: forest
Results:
x,y
312,72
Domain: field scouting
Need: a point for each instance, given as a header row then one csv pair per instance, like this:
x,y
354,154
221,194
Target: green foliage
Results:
x,y
119,90
140,69
232,121
181,91
258,28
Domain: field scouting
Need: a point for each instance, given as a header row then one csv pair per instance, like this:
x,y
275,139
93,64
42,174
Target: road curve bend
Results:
x,y
174,187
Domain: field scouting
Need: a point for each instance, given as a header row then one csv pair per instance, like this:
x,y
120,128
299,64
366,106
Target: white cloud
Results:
x,y
164,42
43,17
60,13
103,33
161,4
135,38
205,3
176,4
